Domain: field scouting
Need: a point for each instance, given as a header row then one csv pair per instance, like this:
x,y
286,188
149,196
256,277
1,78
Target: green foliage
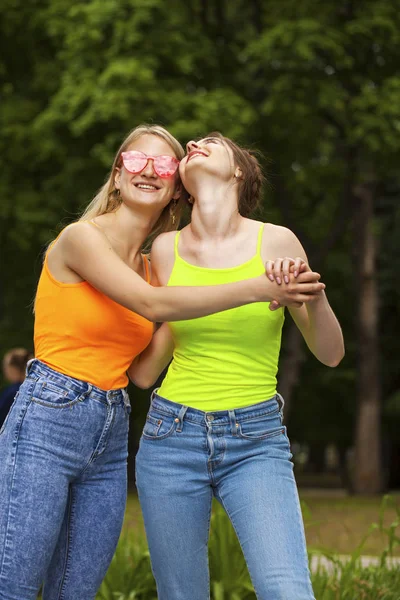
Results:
x,y
314,86
339,578
129,576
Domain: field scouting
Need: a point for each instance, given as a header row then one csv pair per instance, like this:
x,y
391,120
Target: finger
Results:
x,y
298,264
287,261
277,270
307,276
269,268
274,305
304,289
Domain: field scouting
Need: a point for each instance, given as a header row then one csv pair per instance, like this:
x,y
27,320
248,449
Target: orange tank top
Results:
x,y
84,334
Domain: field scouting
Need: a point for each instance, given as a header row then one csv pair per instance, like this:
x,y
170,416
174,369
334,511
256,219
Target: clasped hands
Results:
x,y
296,282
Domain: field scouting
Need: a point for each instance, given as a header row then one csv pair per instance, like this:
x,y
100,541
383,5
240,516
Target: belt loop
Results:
x,y
232,422
28,366
180,418
281,403
125,397
153,393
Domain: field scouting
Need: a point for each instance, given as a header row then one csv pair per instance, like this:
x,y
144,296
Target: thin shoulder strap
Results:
x,y
176,244
91,221
51,244
259,239
147,267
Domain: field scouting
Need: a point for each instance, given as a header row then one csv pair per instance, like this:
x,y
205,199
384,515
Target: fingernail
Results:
x,y
278,280
286,278
271,277
296,273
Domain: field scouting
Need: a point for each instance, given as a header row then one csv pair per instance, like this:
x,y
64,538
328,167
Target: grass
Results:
x,y
129,577
336,524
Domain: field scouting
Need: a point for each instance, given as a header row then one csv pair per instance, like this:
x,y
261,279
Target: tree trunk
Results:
x,y
367,474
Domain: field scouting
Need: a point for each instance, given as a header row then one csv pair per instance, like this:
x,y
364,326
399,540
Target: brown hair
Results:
x,y
252,180
17,358
108,200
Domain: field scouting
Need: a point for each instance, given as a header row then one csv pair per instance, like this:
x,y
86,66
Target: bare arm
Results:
x,y
315,319
88,253
321,330
148,366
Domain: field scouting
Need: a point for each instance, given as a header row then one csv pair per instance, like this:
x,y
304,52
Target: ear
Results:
x,y
238,173
178,191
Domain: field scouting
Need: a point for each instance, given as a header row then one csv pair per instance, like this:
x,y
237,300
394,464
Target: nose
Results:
x,y
149,171
192,145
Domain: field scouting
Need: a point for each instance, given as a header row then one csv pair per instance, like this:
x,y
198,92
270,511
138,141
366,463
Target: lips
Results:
x,y
195,153
147,187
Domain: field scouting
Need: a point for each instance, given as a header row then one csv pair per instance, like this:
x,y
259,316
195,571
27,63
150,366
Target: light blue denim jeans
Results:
x,y
242,457
63,451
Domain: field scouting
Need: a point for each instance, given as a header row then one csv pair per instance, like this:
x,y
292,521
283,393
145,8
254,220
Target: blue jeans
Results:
x,y
242,457
63,451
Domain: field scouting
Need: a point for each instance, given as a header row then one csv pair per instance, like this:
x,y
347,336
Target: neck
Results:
x,y
128,230
215,210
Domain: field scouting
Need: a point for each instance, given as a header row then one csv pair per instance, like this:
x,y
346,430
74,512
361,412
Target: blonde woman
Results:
x,y
63,447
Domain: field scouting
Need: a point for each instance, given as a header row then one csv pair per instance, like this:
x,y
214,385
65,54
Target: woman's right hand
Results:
x,y
299,290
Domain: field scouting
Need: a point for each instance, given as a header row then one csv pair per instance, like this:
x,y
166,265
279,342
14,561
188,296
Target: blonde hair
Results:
x,y
108,200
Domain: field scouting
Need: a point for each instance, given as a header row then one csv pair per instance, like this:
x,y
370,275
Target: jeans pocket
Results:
x,y
8,414
53,394
261,428
158,427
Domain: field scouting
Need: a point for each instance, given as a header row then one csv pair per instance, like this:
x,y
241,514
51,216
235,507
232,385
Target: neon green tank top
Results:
x,y
227,360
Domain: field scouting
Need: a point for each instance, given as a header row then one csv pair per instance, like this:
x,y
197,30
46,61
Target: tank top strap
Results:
x,y
147,267
259,239
176,242
91,221
49,247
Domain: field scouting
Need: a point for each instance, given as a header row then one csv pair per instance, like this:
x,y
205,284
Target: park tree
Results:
x,y
313,85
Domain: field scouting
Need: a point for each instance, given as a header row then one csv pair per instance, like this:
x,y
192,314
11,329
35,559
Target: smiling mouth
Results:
x,y
196,153
146,187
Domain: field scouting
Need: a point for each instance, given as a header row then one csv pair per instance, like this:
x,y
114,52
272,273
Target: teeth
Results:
x,y
144,186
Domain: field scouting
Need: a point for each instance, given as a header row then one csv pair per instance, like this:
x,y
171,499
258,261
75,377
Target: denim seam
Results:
x,y
212,463
265,436
238,537
58,406
2,428
304,546
241,418
98,451
65,574
208,530
14,459
170,431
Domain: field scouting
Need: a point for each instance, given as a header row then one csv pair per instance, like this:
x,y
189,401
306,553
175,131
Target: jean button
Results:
x,y
210,417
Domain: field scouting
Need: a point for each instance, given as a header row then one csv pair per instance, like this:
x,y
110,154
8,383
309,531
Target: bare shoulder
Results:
x,y
279,241
162,256
77,243
81,232
163,243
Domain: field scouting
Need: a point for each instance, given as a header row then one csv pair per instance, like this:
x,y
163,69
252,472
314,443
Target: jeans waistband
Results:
x,y
36,369
219,417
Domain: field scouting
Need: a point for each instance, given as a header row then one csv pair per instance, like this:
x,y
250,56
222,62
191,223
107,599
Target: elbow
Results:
x,y
335,360
142,382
